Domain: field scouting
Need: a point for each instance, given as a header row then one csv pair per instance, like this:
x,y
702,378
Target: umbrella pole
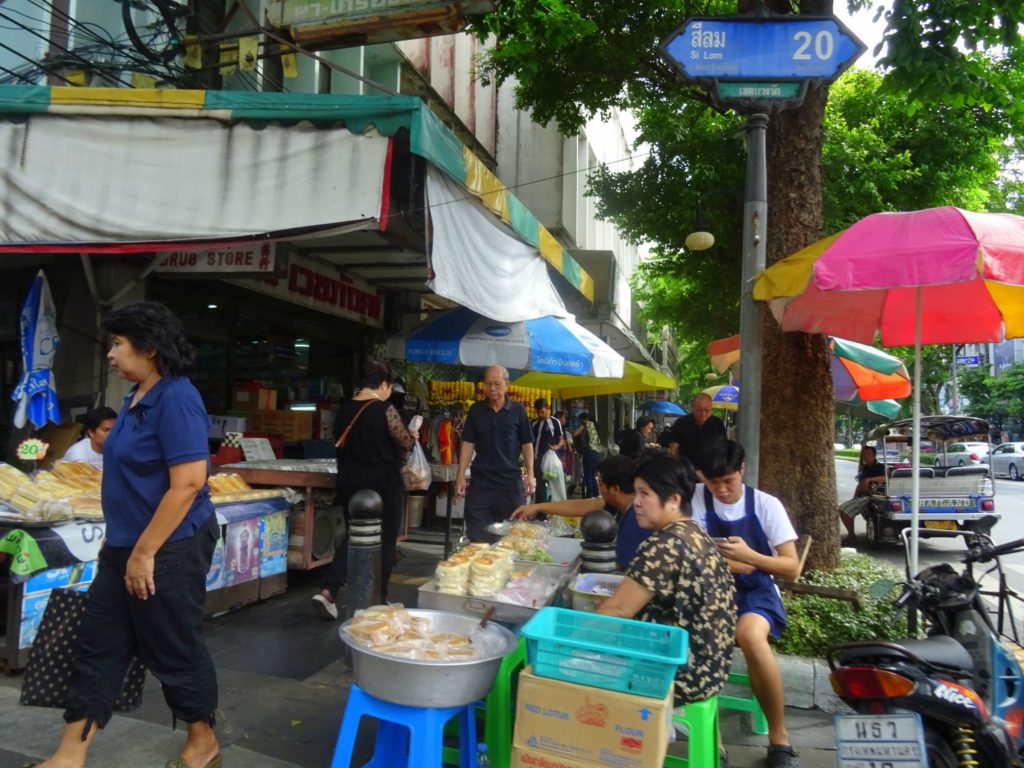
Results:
x,y
915,481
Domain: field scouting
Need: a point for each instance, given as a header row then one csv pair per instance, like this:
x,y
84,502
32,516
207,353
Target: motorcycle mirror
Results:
x,y
881,588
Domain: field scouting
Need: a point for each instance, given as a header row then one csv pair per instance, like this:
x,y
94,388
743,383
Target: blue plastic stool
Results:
x,y
407,737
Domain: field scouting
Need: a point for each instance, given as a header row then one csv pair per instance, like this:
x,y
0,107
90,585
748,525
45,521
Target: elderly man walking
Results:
x,y
696,432
499,431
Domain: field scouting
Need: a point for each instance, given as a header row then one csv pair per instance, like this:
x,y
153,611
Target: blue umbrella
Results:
x,y
550,344
36,393
661,406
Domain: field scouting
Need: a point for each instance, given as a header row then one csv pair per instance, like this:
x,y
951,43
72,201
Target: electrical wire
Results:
x,y
35,63
89,64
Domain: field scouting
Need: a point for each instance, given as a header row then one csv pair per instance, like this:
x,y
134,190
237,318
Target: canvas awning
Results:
x,y
139,168
635,378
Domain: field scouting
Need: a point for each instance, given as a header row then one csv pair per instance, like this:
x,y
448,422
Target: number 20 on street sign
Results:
x,y
783,48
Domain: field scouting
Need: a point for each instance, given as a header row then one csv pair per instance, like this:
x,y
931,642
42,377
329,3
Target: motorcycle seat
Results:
x,y
939,650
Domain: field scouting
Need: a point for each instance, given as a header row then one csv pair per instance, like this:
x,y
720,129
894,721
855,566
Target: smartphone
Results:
x,y
720,539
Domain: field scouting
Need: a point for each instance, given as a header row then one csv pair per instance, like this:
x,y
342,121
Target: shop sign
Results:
x,y
331,21
242,259
324,288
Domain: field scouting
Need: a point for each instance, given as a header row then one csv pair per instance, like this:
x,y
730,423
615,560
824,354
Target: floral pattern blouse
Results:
x,y
693,589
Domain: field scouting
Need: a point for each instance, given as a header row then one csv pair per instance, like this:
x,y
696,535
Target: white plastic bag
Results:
x,y
551,467
416,472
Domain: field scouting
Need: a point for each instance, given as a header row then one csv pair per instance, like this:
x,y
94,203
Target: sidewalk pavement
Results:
x,y
283,687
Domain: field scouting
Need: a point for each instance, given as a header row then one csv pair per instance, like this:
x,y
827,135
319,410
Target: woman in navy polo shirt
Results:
x,y
148,595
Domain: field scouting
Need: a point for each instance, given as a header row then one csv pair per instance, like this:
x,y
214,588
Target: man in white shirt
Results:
x,y
98,424
755,534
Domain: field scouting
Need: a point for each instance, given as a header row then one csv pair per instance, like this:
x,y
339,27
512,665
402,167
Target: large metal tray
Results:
x,y
565,554
507,613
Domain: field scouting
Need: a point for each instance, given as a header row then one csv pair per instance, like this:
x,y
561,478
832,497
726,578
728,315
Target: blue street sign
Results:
x,y
971,361
751,48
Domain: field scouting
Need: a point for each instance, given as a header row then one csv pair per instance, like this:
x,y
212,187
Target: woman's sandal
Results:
x,y
216,762
782,756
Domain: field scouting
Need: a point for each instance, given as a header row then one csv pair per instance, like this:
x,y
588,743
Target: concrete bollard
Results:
x,y
597,553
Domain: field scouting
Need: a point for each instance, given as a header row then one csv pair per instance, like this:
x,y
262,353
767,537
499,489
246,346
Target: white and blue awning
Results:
x,y
551,344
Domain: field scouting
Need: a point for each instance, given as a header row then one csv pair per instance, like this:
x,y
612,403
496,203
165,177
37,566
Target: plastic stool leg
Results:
x,y
499,713
467,736
701,719
745,704
392,746
346,742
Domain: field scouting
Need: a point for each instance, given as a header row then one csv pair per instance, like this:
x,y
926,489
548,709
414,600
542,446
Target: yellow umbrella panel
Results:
x,y
635,378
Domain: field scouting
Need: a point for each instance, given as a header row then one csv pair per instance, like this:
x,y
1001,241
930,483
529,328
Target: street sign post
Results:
x,y
715,50
758,64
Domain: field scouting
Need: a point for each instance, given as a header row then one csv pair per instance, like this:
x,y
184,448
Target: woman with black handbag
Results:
x,y
147,598
371,449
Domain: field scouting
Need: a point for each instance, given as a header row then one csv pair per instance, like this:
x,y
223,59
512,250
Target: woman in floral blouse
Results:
x,y
679,578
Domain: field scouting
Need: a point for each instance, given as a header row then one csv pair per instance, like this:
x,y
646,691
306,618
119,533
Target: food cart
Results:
x,y
40,555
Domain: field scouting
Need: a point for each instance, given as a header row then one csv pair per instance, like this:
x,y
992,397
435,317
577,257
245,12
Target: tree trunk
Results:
x,y
797,406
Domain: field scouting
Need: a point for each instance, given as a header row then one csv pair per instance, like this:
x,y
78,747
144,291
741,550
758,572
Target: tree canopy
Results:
x,y
929,130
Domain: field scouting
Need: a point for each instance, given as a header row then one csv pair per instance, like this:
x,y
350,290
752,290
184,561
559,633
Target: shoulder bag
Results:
x,y
341,440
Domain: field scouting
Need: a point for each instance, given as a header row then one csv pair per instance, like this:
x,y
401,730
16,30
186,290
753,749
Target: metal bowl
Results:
x,y
437,684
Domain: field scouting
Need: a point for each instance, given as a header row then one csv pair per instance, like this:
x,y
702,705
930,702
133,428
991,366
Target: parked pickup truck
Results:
x,y
951,498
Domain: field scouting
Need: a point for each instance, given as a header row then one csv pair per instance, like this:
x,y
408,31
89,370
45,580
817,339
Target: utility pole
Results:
x,y
755,226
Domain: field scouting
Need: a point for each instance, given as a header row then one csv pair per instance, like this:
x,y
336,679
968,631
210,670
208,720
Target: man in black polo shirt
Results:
x,y
696,432
499,431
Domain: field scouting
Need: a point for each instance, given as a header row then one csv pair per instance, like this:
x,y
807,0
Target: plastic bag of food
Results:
x,y
416,472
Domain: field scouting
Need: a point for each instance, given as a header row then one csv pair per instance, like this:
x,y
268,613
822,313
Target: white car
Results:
x,y
1007,460
962,455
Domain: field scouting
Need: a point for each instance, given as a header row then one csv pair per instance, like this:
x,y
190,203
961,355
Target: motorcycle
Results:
x,y
955,697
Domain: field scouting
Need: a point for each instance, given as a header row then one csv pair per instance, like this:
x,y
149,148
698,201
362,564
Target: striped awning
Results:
x,y
369,115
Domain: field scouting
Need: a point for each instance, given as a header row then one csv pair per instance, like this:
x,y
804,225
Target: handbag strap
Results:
x,y
341,440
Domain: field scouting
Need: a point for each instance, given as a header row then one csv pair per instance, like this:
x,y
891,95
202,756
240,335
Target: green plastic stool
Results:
x,y
497,713
745,704
701,720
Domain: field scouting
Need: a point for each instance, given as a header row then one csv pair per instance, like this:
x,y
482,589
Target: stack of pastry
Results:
x,y
79,474
28,495
10,479
488,573
452,575
393,631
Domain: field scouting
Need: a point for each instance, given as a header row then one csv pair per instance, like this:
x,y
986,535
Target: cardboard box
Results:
x,y
290,425
533,758
252,397
591,725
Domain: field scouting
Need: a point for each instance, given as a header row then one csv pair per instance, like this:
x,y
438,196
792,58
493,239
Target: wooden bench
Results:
x,y
803,547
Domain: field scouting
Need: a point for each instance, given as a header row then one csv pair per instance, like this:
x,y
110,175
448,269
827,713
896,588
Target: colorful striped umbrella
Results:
x,y
552,344
935,276
859,372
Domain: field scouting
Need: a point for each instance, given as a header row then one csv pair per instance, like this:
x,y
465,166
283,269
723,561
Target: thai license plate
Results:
x,y
880,741
942,525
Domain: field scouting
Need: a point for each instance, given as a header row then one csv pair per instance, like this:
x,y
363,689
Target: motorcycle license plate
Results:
x,y
880,741
942,525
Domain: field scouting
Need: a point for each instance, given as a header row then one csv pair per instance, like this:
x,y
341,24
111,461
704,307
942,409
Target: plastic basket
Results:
x,y
634,657
584,598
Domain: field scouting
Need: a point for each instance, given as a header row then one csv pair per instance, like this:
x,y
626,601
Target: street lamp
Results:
x,y
700,239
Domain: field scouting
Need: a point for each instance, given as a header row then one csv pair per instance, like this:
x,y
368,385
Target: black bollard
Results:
x,y
597,553
365,509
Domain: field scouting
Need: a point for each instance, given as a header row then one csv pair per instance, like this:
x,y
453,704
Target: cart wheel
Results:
x,y
871,522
